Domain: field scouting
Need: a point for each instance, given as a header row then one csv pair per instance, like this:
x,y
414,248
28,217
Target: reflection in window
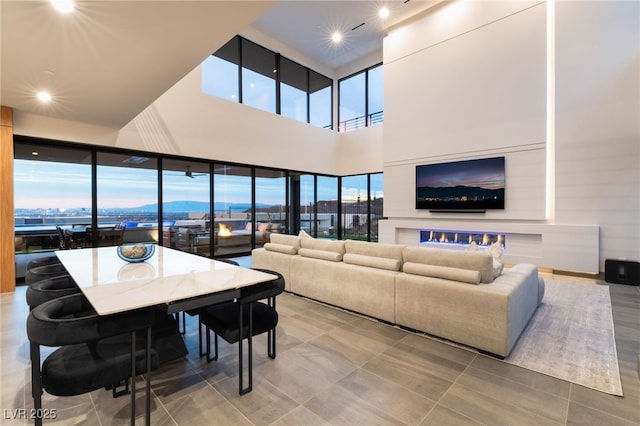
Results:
x,y
185,206
220,78
320,100
327,207
52,187
376,198
258,77
307,204
355,207
220,72
232,209
293,90
271,204
127,195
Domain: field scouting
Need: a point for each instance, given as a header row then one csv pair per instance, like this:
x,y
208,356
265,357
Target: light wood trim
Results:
x,y
7,232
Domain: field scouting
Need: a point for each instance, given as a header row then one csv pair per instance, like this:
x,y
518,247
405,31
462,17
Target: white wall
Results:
x,y
598,121
468,80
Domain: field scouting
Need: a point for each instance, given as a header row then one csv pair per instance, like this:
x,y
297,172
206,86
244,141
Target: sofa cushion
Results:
x,y
289,240
495,249
321,254
444,272
281,248
389,251
326,245
481,261
372,261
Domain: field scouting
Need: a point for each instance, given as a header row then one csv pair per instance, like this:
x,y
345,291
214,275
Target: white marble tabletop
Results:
x,y
113,285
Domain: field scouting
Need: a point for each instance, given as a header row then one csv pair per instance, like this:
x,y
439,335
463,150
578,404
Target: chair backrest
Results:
x,y
70,320
42,291
261,291
42,272
64,241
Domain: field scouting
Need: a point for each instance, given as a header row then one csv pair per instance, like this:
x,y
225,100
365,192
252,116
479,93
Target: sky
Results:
x,y
486,173
42,185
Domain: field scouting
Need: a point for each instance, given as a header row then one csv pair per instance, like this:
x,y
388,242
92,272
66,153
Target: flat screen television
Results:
x,y
461,186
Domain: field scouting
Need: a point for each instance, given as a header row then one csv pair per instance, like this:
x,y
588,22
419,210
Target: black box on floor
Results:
x,y
622,272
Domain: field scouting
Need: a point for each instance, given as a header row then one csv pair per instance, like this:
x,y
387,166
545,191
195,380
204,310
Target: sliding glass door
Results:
x,y
233,201
186,206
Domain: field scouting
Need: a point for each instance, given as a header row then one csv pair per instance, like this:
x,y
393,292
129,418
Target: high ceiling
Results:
x,y
307,25
107,61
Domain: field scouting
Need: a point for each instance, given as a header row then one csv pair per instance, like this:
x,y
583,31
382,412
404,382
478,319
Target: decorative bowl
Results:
x,y
135,253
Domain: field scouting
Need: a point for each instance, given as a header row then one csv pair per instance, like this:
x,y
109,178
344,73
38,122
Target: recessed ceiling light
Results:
x,y
336,37
44,96
383,13
35,153
63,6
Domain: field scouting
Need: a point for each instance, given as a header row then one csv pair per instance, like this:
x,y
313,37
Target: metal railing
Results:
x,y
360,122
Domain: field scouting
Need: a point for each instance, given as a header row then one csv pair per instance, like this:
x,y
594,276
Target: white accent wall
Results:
x,y
598,121
469,80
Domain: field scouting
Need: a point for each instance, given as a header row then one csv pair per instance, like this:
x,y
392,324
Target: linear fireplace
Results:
x,y
460,239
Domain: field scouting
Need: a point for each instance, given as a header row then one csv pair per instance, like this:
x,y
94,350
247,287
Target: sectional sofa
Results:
x,y
461,296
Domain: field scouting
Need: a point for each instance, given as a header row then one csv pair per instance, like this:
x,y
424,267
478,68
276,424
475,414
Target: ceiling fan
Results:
x,y
188,173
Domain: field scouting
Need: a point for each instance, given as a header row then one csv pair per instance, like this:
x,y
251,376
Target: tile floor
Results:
x,y
337,368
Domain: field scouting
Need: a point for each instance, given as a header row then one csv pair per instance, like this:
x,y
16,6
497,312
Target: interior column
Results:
x,y
7,230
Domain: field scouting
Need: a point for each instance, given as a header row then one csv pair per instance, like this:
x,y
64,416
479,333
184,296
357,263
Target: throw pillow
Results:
x,y
473,246
303,234
498,263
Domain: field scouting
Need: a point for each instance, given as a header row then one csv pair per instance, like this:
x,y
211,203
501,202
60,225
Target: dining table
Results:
x,y
170,279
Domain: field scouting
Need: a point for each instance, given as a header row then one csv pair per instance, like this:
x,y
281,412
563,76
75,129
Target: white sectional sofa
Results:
x,y
456,295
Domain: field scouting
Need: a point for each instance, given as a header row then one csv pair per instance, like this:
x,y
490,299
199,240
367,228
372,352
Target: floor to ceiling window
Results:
x,y
355,207
52,188
376,203
126,199
233,222
108,197
186,192
271,204
327,207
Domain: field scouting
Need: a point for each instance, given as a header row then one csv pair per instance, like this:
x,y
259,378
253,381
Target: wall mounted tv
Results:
x,y
461,186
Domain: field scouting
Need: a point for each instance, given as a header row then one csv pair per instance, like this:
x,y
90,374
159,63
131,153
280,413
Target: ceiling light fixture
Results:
x,y
383,13
63,6
43,96
336,37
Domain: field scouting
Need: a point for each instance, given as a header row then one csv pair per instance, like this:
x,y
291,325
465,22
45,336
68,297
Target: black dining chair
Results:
x,y
95,351
43,261
43,272
50,288
244,318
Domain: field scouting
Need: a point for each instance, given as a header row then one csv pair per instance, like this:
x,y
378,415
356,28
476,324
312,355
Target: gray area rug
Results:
x,y
571,337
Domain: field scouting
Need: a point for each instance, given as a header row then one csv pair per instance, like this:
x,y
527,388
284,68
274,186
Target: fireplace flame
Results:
x,y
223,231
485,240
